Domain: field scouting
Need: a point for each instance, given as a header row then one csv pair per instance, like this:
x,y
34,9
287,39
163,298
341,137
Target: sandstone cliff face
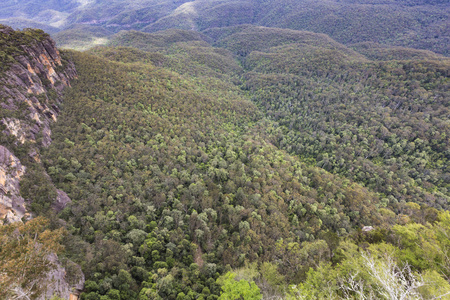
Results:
x,y
66,287
33,85
12,205
30,95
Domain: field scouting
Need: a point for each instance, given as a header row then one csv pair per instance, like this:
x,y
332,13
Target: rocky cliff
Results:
x,y
30,94
12,205
32,77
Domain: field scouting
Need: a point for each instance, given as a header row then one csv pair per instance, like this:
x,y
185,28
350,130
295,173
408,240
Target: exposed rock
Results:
x,y
30,95
14,127
28,111
27,83
367,228
12,205
61,201
66,285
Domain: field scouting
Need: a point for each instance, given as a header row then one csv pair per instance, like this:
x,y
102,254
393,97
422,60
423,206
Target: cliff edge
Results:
x,y
33,76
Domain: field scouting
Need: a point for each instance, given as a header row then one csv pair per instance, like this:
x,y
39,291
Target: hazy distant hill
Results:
x,y
82,37
417,24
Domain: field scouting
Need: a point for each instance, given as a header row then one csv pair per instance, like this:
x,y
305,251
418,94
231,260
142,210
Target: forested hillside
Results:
x,y
380,123
216,159
181,175
416,24
173,157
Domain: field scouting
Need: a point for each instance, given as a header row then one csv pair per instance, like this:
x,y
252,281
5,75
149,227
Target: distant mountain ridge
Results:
x,y
416,24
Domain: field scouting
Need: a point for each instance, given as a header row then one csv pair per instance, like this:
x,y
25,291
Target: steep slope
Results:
x,y
32,77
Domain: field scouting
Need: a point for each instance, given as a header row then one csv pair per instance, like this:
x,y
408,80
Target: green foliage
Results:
x,y
317,91
356,21
412,263
169,171
376,51
176,176
233,289
37,186
437,285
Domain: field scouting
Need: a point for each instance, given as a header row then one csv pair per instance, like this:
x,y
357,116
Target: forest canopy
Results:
x,y
245,162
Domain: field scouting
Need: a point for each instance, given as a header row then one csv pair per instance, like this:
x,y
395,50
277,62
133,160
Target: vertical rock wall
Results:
x,y
12,205
30,95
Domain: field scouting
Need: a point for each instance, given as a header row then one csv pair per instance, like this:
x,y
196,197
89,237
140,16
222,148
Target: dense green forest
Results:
x,y
185,162
181,175
246,162
316,89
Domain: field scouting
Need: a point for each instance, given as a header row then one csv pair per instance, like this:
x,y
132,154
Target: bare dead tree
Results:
x,y
392,282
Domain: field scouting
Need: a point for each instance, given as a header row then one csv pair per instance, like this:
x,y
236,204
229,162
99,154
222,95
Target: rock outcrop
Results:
x,y
32,78
33,86
12,205
59,282
30,95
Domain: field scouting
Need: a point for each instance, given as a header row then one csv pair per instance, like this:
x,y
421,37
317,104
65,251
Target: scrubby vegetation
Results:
x,y
24,256
12,43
